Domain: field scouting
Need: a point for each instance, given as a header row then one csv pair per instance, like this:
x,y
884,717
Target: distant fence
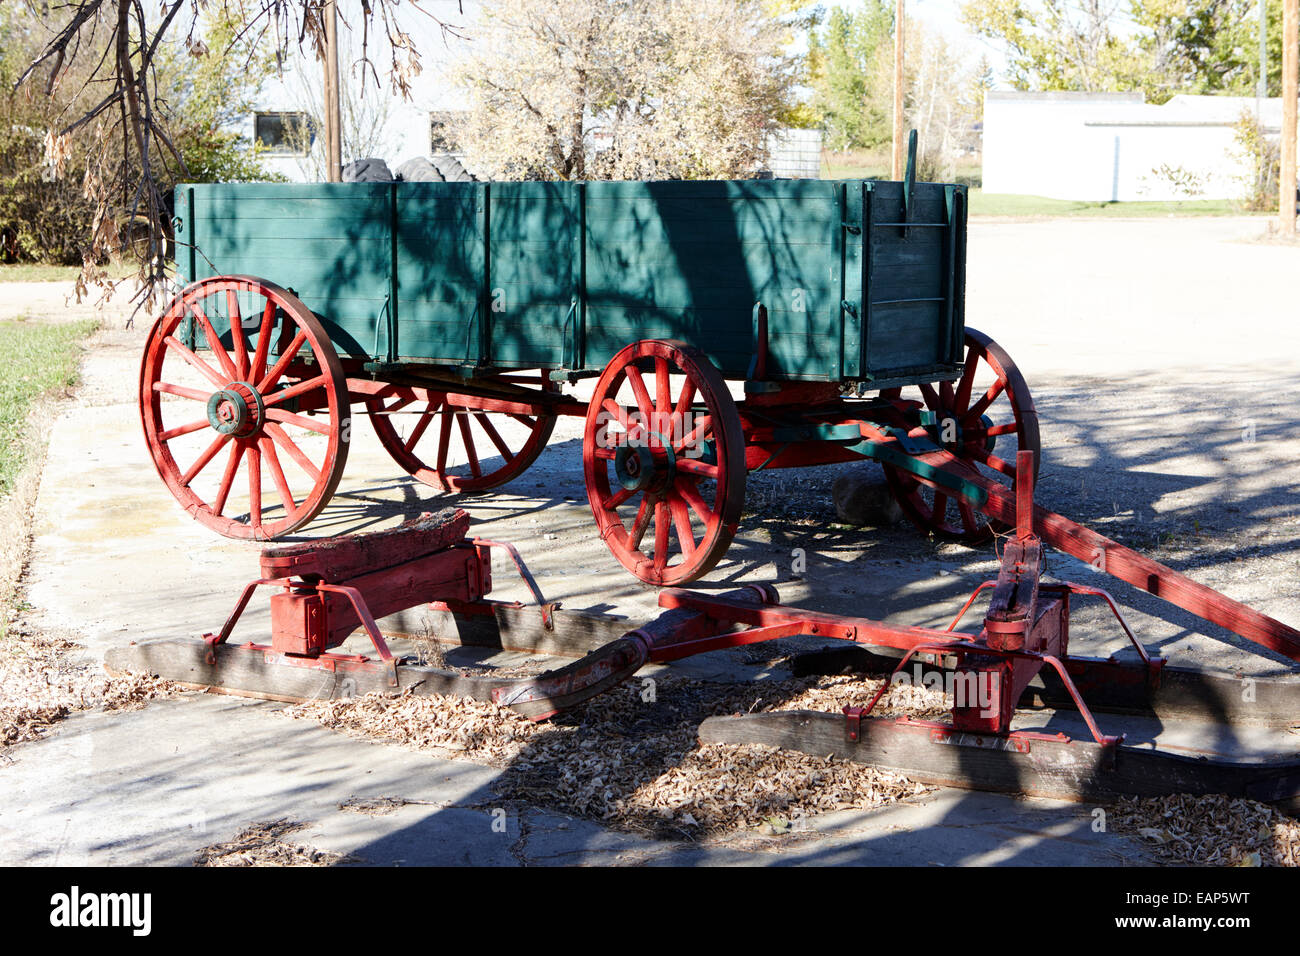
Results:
x,y
796,154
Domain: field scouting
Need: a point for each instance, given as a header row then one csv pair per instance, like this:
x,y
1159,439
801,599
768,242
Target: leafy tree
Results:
x,y
853,92
623,89
1161,47
207,88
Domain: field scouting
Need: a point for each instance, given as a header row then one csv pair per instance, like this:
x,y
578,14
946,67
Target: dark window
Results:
x,y
284,132
441,139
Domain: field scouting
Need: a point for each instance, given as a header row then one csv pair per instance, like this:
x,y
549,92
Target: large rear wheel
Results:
x,y
245,407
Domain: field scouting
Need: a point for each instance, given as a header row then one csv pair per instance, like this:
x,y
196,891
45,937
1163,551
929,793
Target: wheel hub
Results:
x,y
236,410
637,467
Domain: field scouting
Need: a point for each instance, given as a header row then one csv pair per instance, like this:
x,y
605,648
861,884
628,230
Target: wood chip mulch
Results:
x,y
1212,830
631,758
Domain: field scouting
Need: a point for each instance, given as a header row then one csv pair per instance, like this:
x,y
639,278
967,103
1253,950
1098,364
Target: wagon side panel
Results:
x,y
441,267
534,274
330,243
688,260
914,278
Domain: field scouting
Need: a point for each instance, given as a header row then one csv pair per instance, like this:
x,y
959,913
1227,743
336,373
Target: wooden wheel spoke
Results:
x,y
693,466
931,396
940,507
619,497
968,520
204,369
267,447
444,438
641,523
257,368
202,461
644,405
301,421
468,441
1007,428
688,492
662,519
489,429
978,409
420,428
946,395
214,343
682,524
185,429
255,489
237,334
701,428
529,423
663,390
684,401
994,462
228,478
293,391
273,376
182,392
962,399
281,438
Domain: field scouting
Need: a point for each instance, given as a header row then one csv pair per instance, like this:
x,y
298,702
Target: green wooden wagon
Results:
x,y
464,317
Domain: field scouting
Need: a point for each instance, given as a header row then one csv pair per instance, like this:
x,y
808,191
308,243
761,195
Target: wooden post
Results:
x,y
900,26
1290,92
333,112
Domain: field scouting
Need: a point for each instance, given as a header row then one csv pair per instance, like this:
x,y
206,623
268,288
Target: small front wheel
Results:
x,y
983,420
663,455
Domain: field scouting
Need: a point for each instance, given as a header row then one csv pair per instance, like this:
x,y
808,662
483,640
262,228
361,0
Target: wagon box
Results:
x,y
561,276
456,315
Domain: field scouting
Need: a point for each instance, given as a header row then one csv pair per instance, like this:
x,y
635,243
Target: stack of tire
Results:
x,y
442,168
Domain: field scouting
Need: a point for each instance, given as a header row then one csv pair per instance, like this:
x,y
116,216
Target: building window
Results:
x,y
441,139
291,133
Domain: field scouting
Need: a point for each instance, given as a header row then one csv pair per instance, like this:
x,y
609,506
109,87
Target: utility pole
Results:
x,y
1290,92
899,29
333,113
1261,82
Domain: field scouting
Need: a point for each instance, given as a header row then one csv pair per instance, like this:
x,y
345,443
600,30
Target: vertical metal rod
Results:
x,y
333,111
1290,91
900,26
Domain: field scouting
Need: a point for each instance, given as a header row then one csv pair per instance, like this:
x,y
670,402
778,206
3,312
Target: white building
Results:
x,y
1114,146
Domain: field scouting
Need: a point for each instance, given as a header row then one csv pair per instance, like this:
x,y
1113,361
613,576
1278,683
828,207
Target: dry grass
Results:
x,y
631,758
263,844
1212,830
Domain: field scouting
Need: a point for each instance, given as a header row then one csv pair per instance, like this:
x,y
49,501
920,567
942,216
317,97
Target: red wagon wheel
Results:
x,y
227,414
664,465
419,426
977,419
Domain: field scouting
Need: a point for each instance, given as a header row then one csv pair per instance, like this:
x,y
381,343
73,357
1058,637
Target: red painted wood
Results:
x,y
652,528
271,435
424,452
1010,406
345,556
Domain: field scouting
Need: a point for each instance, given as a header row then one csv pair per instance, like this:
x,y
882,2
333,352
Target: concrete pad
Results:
x,y
1148,346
